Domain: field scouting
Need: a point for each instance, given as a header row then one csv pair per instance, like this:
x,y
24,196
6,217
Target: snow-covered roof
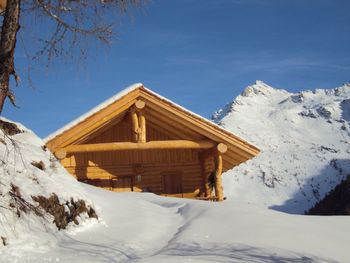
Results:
x,y
114,98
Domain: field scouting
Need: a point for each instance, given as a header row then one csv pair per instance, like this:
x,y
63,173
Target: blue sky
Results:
x,y
200,54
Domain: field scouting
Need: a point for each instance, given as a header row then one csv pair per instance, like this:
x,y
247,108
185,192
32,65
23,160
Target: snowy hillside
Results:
x,y
143,227
37,195
304,140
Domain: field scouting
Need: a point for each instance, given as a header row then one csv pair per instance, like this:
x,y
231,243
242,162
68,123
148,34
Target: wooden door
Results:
x,y
172,184
122,184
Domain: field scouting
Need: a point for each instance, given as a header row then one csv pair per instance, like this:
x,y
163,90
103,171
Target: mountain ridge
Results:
x,y
304,140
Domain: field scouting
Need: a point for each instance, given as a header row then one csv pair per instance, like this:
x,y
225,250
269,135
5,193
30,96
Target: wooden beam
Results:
x,y
60,154
138,121
210,155
219,193
207,159
102,128
142,126
135,126
153,145
178,127
94,122
221,147
206,174
167,130
205,128
140,104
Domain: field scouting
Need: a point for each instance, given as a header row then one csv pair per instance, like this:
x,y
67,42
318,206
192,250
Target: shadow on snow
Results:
x,y
314,189
235,253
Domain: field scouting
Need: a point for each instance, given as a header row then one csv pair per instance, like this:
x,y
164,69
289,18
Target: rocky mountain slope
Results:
x,y
304,140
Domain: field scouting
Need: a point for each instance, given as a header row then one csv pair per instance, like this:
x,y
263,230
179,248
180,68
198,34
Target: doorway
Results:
x,y
122,184
172,184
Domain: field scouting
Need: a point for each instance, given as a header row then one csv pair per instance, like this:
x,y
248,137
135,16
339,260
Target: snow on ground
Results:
x,y
142,227
27,169
304,140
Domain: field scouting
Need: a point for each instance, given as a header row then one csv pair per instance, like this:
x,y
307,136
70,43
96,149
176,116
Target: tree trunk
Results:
x,y
9,29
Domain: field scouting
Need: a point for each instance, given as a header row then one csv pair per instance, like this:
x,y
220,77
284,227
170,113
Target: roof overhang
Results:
x,y
159,108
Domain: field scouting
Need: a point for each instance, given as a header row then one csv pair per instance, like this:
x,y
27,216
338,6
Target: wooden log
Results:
x,y
205,174
135,126
221,147
142,124
153,145
60,154
241,148
219,193
140,104
170,132
208,198
93,123
207,188
138,122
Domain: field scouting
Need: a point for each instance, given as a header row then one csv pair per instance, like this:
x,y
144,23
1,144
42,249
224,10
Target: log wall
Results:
x,y
143,170
151,179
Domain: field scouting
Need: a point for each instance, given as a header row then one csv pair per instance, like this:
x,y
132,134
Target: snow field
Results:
x,y
142,227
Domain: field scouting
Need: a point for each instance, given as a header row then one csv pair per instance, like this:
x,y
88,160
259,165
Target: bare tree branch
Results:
x,y
72,22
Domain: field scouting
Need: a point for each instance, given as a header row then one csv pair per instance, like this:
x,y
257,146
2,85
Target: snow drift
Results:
x,y
304,140
37,195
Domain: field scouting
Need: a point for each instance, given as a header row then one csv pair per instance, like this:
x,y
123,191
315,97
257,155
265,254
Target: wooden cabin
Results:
x,y
139,141
2,6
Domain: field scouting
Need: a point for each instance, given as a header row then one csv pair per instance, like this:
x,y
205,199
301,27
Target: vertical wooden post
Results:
x,y
135,126
219,193
138,121
206,185
212,165
142,124
207,170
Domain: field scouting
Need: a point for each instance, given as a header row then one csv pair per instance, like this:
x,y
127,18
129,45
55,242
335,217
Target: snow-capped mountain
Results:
x,y
304,140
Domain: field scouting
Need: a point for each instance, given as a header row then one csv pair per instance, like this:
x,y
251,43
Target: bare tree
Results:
x,y
71,23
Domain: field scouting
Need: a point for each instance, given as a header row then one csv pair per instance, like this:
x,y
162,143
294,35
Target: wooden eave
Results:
x,y
175,121
238,149
82,130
